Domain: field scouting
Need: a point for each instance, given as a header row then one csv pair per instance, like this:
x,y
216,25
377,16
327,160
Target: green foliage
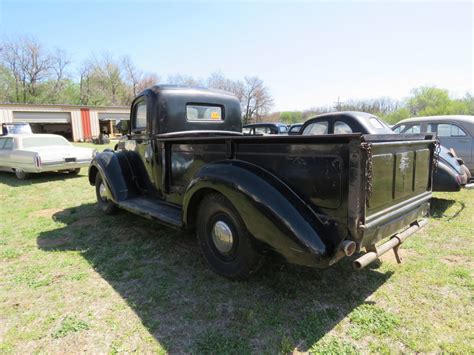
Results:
x,y
333,346
395,116
291,117
423,101
69,324
429,101
369,319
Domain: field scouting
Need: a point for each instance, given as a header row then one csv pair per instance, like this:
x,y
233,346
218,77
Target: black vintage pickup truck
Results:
x,y
308,199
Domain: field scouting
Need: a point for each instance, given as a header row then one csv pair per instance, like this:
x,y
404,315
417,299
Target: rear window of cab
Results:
x,y
204,113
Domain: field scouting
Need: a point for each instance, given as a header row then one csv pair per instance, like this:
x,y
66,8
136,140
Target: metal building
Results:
x,y
76,123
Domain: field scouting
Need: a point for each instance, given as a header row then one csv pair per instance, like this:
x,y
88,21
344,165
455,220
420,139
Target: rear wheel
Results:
x,y
21,175
101,193
226,244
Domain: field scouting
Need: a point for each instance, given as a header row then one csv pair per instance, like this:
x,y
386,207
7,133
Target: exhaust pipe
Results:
x,y
393,243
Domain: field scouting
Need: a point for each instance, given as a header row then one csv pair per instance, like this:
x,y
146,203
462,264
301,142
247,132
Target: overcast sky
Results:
x,y
308,53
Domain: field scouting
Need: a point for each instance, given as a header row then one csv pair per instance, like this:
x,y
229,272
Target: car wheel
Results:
x,y
101,193
226,244
74,171
21,175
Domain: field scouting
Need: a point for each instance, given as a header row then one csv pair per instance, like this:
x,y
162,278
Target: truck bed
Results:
x,y
329,173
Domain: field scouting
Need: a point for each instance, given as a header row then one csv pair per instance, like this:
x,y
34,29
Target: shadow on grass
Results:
x,y
440,205
33,179
187,308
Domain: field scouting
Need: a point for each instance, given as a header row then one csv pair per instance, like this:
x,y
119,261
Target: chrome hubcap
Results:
x,y
102,191
222,237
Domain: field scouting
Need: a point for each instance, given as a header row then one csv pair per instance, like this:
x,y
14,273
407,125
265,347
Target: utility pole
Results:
x,y
338,104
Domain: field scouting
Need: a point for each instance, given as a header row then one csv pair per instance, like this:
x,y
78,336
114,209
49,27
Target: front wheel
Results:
x,y
21,175
101,193
226,244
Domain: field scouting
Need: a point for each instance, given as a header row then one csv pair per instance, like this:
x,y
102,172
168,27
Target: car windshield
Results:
x,y
19,128
33,142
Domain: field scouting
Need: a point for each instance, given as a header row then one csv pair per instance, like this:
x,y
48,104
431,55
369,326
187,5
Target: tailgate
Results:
x,y
398,183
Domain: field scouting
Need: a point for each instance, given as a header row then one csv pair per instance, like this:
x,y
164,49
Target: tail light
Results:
x,y
37,161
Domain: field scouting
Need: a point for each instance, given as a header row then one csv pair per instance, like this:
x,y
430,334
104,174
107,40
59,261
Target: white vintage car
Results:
x,y
24,154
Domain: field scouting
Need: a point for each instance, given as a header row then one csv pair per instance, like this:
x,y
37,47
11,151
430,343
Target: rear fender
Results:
x,y
271,211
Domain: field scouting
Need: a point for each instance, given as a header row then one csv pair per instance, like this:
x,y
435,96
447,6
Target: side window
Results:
x,y
139,116
283,129
444,130
295,129
8,143
413,129
260,130
457,132
431,128
316,128
2,142
341,128
272,130
375,123
399,129
246,130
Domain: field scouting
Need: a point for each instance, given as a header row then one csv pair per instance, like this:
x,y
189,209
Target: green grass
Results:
x,y
72,279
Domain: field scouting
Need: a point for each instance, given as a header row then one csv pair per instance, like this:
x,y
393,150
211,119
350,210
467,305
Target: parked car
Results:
x,y
18,128
453,131
305,199
294,129
264,129
450,174
36,153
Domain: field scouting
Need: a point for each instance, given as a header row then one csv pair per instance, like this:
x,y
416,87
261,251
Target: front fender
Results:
x,y
108,165
273,213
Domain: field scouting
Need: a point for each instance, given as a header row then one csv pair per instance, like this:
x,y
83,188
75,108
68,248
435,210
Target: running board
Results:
x,y
154,209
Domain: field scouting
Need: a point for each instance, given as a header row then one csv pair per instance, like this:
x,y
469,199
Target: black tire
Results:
x,y
21,175
74,171
105,205
241,259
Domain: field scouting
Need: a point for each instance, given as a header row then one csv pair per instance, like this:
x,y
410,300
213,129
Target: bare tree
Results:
x,y
32,66
85,87
59,62
136,80
186,80
147,80
257,100
219,81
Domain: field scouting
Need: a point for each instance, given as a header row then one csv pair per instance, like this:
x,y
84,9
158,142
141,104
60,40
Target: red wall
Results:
x,y
86,123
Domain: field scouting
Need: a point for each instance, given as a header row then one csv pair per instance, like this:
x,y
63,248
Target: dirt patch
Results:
x,y
457,260
389,256
47,213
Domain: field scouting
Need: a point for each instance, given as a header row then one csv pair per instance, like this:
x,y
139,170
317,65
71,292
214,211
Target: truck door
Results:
x,y
143,160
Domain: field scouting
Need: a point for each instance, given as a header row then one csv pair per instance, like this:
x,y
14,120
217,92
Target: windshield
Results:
x,y
48,141
19,128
